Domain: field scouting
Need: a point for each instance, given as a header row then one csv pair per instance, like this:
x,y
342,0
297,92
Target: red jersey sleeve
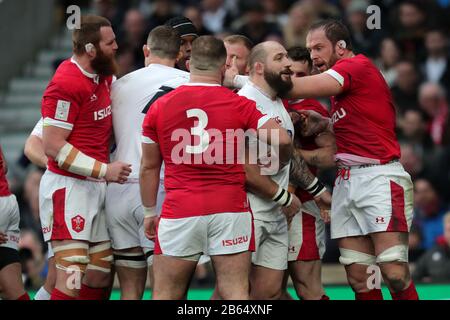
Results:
x,y
346,72
60,106
149,126
250,117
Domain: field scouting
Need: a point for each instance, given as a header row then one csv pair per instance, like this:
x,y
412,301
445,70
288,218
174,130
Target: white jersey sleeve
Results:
x,y
38,128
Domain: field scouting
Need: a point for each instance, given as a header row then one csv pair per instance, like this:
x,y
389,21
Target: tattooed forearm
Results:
x,y
299,172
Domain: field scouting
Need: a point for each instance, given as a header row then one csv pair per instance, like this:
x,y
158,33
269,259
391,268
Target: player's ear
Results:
x,y
179,55
146,50
91,50
259,68
341,45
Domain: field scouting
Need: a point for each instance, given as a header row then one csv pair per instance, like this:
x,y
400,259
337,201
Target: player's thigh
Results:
x,y
72,209
11,281
382,197
120,205
305,272
306,235
272,249
232,270
171,276
182,237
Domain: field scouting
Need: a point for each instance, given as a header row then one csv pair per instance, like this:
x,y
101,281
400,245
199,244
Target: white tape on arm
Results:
x,y
73,160
150,212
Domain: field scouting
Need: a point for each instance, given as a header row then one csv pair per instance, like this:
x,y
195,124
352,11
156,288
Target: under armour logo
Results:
x,y
94,98
380,220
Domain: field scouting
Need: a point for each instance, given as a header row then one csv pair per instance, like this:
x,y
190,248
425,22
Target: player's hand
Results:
x,y
118,172
292,210
312,122
324,203
150,227
230,73
3,238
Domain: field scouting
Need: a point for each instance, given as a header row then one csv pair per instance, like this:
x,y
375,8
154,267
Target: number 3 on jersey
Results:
x,y
199,131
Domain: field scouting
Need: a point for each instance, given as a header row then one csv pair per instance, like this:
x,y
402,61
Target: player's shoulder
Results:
x,y
67,79
358,62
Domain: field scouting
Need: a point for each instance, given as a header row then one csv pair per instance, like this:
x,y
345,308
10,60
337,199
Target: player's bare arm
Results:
x,y
301,176
272,129
319,85
34,150
71,159
322,157
151,162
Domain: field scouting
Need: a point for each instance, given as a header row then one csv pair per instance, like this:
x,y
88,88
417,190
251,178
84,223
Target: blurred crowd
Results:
x,y
412,50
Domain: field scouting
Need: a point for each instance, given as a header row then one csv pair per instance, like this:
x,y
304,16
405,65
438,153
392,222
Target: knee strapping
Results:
x,y
349,257
134,260
100,257
398,253
73,256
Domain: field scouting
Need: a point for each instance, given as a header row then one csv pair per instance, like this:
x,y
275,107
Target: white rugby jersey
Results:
x,y
131,97
267,209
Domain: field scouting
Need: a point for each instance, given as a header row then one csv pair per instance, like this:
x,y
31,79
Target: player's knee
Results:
x,y
397,281
349,257
357,277
131,260
99,267
72,257
398,253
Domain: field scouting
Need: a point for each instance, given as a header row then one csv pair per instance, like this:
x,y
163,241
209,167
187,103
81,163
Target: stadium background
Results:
x,y
411,49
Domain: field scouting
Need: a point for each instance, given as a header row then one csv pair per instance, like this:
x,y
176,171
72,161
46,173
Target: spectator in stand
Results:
x,y
301,17
163,10
434,265
324,9
410,30
215,16
133,35
436,67
389,56
432,100
404,90
429,209
194,14
414,130
364,41
256,28
125,60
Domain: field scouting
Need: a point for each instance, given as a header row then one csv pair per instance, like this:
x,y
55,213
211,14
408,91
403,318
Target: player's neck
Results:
x,y
205,78
84,62
349,54
261,84
164,62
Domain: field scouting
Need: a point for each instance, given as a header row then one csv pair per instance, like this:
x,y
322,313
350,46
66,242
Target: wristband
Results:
x,y
282,197
316,188
150,212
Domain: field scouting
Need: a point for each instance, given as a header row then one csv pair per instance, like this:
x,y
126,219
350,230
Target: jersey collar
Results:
x,y
202,84
95,77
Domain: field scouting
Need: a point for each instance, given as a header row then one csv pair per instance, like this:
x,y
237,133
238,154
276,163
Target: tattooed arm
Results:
x,y
299,174
322,157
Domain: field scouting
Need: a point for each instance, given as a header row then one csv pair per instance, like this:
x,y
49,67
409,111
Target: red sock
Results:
x,y
59,295
24,297
88,293
325,297
409,293
374,294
